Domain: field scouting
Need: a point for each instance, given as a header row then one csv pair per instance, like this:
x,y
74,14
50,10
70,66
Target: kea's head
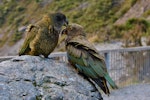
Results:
x,y
59,20
73,30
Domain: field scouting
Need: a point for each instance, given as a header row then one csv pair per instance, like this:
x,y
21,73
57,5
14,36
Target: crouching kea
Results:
x,y
42,37
85,58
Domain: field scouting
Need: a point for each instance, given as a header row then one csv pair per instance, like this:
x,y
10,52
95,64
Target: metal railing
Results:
x,y
128,65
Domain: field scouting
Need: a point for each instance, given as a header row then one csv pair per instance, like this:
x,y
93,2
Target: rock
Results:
x,y
36,78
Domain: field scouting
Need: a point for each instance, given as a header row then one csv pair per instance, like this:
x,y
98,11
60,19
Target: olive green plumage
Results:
x,y
42,37
83,56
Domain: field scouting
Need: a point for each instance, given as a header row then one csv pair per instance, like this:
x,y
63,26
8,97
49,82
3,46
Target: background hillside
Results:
x,y
103,20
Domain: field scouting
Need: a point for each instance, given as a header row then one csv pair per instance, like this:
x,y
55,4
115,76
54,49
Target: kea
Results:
x,y
86,59
42,37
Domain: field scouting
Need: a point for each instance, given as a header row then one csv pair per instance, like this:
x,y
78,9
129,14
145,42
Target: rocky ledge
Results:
x,y
37,78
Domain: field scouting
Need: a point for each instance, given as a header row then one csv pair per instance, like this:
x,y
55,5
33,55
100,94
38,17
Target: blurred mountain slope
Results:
x,y
97,16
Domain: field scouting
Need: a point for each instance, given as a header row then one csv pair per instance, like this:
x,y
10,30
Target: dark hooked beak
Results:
x,y
66,22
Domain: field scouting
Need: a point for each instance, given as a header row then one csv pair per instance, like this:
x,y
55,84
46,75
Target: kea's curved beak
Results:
x,y
66,22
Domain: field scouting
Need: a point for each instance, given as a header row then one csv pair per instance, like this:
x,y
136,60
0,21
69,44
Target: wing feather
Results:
x,y
90,62
87,62
31,31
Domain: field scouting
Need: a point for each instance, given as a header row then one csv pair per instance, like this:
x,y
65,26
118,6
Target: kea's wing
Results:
x,y
86,58
31,32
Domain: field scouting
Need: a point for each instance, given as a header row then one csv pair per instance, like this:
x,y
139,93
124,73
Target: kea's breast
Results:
x,y
49,43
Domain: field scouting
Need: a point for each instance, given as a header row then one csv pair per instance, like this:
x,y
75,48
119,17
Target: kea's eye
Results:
x,y
70,28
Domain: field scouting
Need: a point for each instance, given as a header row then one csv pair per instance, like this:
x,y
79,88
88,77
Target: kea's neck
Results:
x,y
45,21
74,37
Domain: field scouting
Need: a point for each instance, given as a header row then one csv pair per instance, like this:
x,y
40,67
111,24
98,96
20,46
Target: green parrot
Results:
x,y
42,37
85,58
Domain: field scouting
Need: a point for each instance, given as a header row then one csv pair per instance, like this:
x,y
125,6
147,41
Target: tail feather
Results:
x,y
102,84
111,82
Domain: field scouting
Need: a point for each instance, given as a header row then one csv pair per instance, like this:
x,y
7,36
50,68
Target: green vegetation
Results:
x,y
96,16
146,14
132,31
126,5
15,37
